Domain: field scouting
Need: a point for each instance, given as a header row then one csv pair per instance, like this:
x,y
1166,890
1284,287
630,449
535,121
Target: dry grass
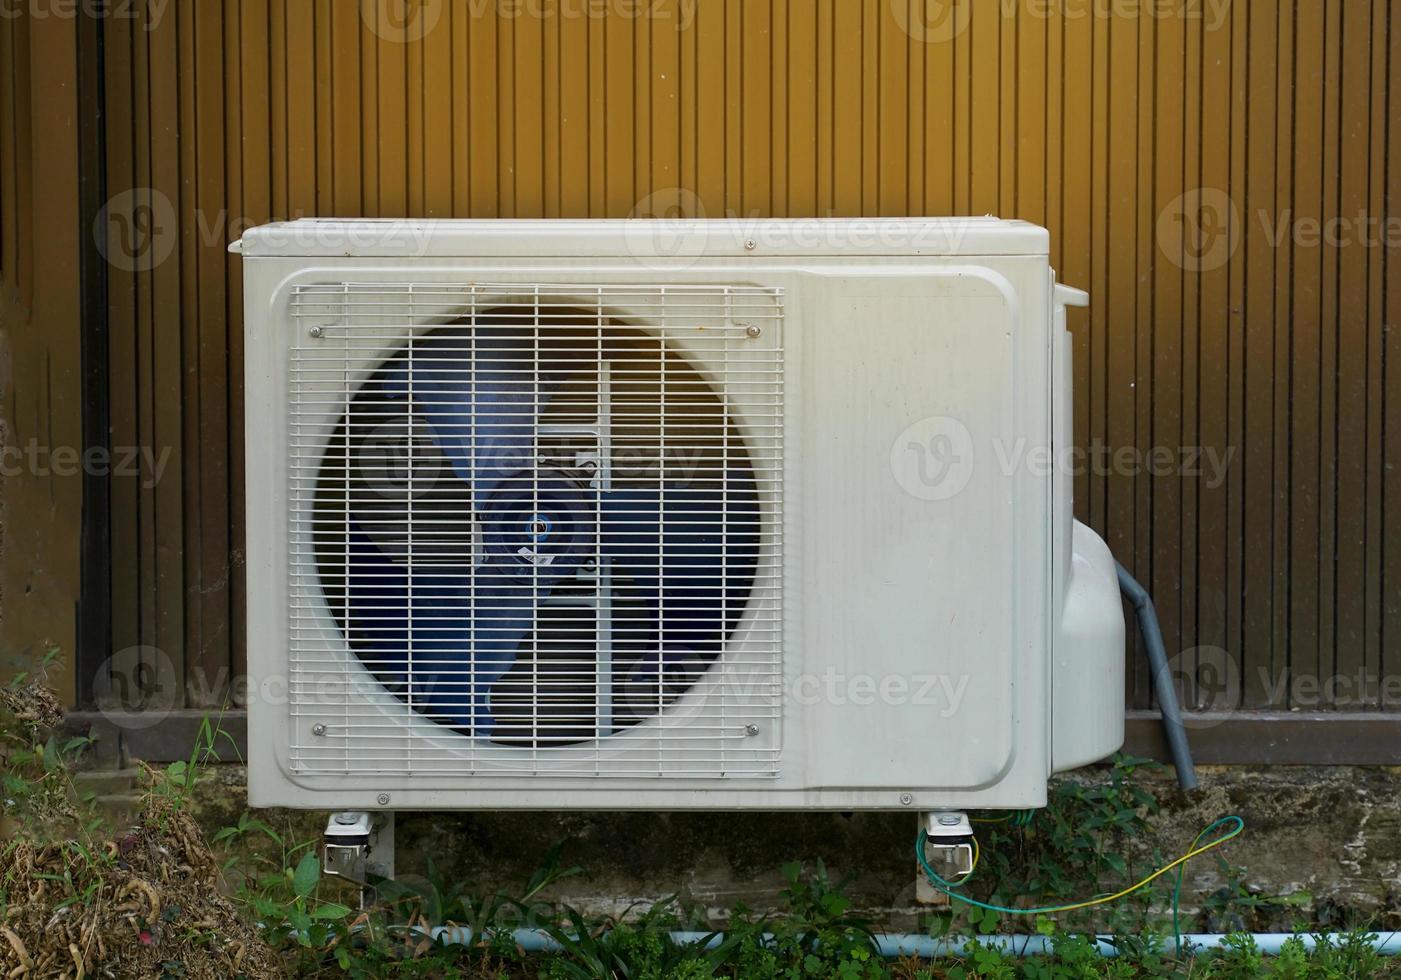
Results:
x,y
79,899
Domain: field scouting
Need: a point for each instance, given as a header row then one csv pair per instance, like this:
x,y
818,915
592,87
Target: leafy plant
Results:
x,y
178,779
1236,906
1073,848
453,903
643,948
302,918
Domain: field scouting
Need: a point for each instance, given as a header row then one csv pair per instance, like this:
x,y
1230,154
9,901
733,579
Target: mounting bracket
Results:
x,y
359,847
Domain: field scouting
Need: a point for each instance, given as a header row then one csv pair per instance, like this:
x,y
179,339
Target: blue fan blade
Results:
x,y
690,555
480,394
462,627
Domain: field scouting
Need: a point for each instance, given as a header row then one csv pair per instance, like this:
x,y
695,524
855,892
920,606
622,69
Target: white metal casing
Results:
x,y
936,593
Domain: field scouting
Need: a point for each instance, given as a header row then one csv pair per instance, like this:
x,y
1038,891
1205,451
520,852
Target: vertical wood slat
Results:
x,y
1093,121
123,379
40,352
1309,650
141,348
18,213
1377,326
1210,172
1236,291
1280,497
799,137
165,352
10,150
1257,321
1120,298
185,335
1391,379
226,339
208,434
1071,223
1165,312
1351,461
1186,171
1146,124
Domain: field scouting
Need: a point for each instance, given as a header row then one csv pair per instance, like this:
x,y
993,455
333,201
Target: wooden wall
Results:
x,y
1271,351
39,342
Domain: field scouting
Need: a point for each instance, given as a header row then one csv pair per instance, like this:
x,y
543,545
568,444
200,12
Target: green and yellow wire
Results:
x,y
1236,824
1017,818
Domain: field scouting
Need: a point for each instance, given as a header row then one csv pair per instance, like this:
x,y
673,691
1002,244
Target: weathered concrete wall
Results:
x,y
1332,832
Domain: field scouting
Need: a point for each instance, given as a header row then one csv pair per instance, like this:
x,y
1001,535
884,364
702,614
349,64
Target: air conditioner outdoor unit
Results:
x,y
667,515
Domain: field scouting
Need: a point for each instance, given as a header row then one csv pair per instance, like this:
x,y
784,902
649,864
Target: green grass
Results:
x,y
1078,846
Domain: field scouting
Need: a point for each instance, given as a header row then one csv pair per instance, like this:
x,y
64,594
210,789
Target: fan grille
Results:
x,y
637,440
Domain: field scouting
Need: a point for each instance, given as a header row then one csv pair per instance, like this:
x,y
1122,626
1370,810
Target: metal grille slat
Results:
x,y
670,393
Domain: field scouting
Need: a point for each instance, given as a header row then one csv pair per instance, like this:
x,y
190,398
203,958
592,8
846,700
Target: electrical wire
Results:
x,y
1177,885
1236,824
1017,818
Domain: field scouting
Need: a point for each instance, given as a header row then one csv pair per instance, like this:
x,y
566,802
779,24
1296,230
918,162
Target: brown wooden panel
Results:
x,y
892,115
220,623
1120,297
755,64
1351,459
1109,124
141,356
1391,383
183,334
1211,172
1257,389
231,336
123,377
9,149
1280,498
575,102
167,368
1071,221
846,50
1309,651
799,138
40,358
438,99
1374,593
1328,355
1164,312
19,212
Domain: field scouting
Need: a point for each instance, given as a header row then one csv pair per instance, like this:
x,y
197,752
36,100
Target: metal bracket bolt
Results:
x,y
949,834
359,847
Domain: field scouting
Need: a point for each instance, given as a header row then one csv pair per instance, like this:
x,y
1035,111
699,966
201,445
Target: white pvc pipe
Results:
x,y
893,944
1268,943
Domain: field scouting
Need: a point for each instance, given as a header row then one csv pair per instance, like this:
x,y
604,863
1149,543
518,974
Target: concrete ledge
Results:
x,y
1260,738
122,736
1328,836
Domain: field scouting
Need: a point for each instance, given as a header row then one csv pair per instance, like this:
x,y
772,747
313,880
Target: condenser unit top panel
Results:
x,y
645,237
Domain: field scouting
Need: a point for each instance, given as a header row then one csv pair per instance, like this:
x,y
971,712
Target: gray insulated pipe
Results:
x,y
1173,729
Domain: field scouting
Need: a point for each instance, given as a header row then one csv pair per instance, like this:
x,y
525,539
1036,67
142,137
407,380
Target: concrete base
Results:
x,y
1331,832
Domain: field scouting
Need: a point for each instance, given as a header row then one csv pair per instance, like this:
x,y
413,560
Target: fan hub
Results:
x,y
539,519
